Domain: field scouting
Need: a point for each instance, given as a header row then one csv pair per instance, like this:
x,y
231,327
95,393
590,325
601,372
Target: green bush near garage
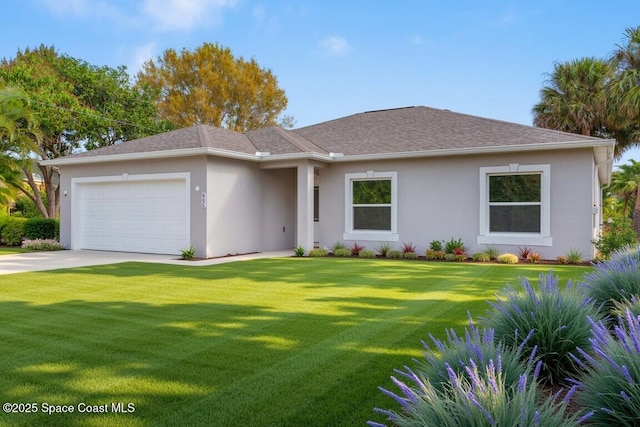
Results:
x,y
42,228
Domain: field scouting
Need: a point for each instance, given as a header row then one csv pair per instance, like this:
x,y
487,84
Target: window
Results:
x,y
514,205
370,201
316,204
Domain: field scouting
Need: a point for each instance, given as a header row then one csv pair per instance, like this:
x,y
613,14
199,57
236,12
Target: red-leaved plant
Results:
x,y
408,247
356,248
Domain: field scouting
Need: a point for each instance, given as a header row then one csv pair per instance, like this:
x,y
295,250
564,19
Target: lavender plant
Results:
x,y
477,399
557,317
610,388
614,280
477,347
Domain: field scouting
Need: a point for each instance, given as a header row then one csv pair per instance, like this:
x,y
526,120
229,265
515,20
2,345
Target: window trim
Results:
x,y
543,238
370,235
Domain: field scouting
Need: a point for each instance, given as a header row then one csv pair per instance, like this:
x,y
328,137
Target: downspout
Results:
x,y
597,210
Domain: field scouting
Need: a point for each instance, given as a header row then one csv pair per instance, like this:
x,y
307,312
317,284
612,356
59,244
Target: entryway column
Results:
x,y
304,235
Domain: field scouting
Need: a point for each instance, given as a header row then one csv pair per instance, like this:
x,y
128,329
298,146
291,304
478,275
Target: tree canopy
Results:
x,y
77,106
210,86
596,97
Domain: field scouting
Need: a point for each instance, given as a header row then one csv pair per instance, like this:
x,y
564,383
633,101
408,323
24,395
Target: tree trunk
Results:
x,y
636,213
36,198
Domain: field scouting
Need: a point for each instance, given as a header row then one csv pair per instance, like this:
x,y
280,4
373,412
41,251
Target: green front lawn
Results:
x,y
8,250
281,342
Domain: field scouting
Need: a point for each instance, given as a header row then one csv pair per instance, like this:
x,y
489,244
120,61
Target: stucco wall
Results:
x,y
249,209
438,199
193,165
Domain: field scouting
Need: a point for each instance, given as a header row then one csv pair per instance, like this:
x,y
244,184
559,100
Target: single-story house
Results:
x,y
412,174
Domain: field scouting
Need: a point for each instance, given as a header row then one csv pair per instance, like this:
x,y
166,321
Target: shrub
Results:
x,y
366,253
430,254
574,256
394,254
481,257
356,248
493,252
611,386
410,255
42,245
338,245
25,208
507,259
477,346
189,253
620,307
561,259
318,252
479,398
407,247
535,257
616,279
344,252
450,257
383,248
616,235
452,245
525,252
13,231
557,317
41,228
435,245
460,254
299,251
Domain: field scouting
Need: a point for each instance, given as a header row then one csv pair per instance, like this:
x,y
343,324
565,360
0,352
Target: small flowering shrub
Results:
x,y
480,397
616,279
366,253
610,388
557,316
343,252
507,259
42,245
383,248
318,252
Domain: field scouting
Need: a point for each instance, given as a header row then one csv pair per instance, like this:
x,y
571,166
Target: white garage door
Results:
x,y
147,216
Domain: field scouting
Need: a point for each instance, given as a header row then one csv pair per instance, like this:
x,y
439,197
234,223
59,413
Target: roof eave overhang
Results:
x,y
603,151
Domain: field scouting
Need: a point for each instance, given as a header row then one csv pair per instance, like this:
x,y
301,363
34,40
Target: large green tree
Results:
x,y
624,185
18,137
210,86
78,106
574,97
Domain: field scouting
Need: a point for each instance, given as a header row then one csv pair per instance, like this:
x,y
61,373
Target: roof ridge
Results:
x,y
286,135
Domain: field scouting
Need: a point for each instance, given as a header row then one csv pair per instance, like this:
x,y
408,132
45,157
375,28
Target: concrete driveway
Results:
x,y
38,261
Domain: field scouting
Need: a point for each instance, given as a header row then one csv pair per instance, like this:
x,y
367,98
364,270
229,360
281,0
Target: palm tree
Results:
x,y
624,101
574,98
18,134
624,185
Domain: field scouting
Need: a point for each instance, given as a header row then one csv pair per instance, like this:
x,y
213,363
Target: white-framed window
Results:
x,y
371,206
515,205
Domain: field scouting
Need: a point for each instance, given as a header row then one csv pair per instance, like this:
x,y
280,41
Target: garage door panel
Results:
x,y
135,216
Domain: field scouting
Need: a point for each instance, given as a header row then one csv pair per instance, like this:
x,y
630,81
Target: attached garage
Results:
x,y
131,213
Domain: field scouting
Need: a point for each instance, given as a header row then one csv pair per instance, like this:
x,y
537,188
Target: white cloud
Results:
x,y
140,55
335,46
184,15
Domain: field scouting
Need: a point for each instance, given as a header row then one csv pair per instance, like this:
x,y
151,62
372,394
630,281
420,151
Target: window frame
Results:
x,y
542,238
370,235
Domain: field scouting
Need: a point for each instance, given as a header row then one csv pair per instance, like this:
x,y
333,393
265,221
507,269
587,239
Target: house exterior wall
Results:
x,y
438,199
249,209
194,166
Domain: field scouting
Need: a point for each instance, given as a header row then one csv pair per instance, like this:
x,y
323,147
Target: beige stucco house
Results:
x,y
412,174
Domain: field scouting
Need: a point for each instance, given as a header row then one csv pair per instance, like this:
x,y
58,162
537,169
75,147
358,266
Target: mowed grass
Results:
x,y
10,250
277,342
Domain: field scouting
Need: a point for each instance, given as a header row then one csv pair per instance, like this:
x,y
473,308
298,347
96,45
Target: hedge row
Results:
x,y
14,229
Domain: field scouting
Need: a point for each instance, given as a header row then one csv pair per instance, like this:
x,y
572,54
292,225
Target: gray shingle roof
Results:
x,y
398,130
423,129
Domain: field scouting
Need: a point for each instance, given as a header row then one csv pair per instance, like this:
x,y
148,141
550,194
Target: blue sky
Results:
x,y
335,58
